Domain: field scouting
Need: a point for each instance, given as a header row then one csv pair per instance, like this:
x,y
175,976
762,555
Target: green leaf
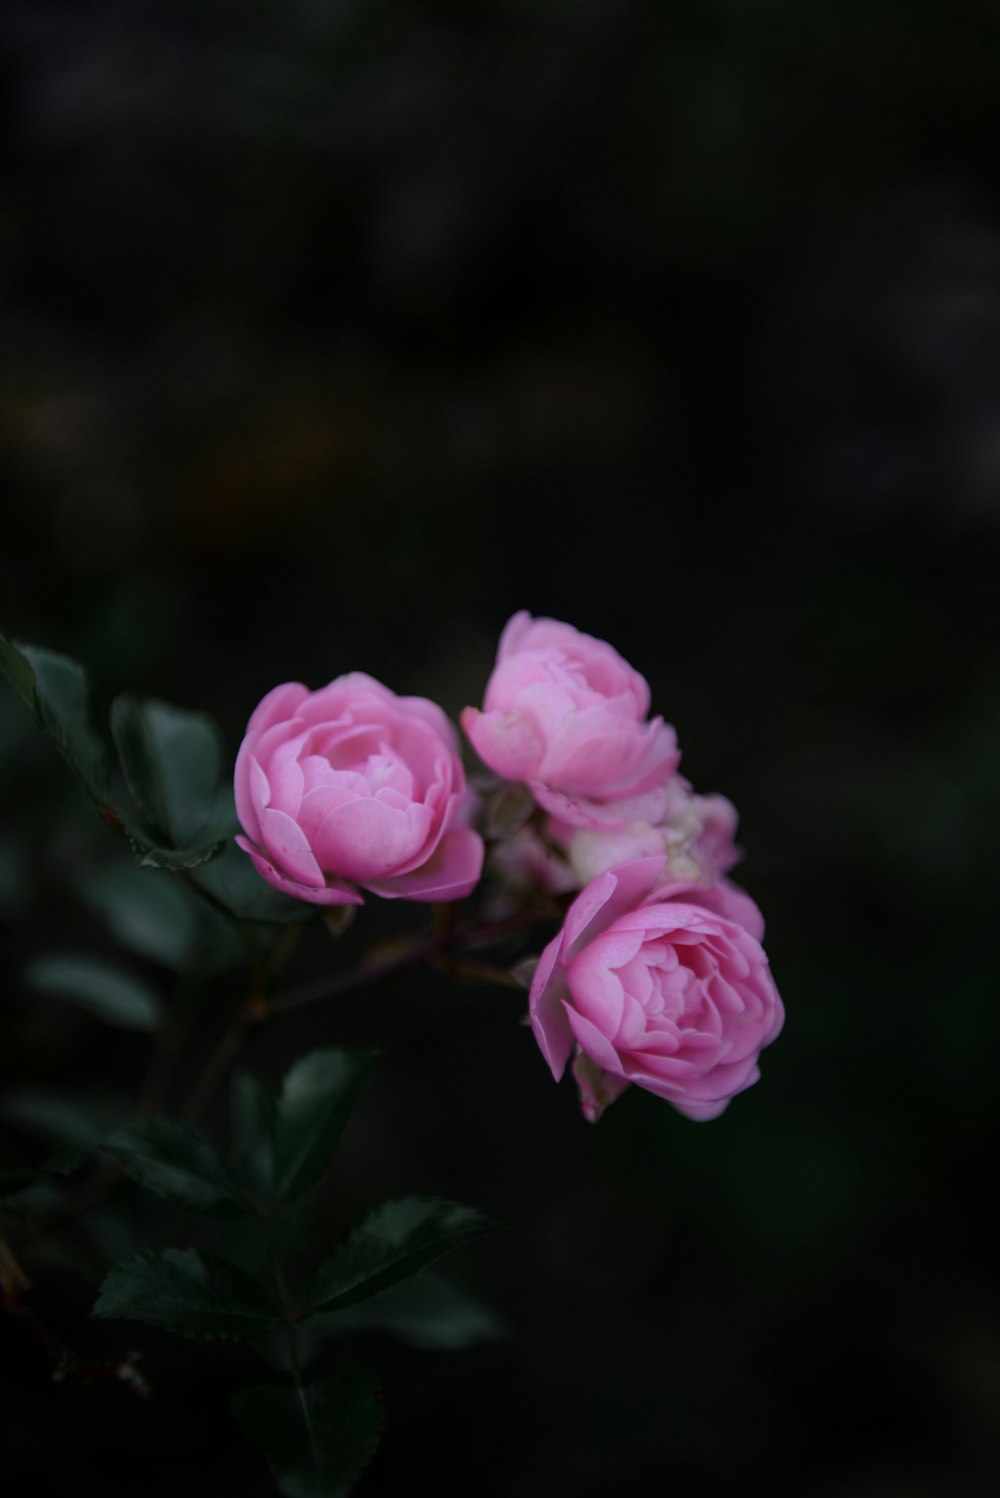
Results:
x,y
396,1240
57,691
33,1202
317,1097
317,1439
175,1161
82,1122
151,917
102,988
428,1312
252,1107
232,879
172,760
150,856
184,1291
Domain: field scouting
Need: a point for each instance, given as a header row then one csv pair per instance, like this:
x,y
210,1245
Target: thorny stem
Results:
x,y
66,1364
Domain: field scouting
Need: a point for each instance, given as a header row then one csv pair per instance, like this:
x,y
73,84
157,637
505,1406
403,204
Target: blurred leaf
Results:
x,y
252,1107
151,917
317,1439
84,1122
57,691
398,1239
149,856
232,879
172,760
174,1160
317,1097
428,1312
184,1291
102,988
34,1202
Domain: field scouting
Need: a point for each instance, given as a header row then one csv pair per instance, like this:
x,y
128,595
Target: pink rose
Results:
x,y
352,785
695,837
664,986
566,714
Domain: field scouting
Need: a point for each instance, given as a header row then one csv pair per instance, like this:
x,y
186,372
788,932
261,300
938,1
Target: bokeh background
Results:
x,y
337,330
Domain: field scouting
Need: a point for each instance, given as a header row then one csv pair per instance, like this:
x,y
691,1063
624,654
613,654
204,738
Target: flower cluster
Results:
x,y
657,977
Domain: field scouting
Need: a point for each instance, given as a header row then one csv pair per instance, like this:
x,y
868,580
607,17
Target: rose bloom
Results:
x,y
662,985
565,714
695,836
352,785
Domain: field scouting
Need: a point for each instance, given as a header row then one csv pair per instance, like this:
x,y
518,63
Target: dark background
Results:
x,y
336,332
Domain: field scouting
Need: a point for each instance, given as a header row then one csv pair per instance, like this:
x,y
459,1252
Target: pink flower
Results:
x,y
662,985
566,714
695,837
352,785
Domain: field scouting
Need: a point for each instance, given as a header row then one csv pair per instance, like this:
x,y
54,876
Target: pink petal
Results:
x,y
451,873
280,704
251,789
284,776
285,841
434,718
545,1005
585,917
365,839
596,990
513,633
507,742
334,893
596,1045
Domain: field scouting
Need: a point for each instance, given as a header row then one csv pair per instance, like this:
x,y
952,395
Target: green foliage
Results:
x,y
172,762
285,1144
170,757
57,692
104,989
252,1107
174,860
231,879
428,1312
395,1241
181,1290
154,918
176,1161
317,1438
81,1122
317,1097
177,815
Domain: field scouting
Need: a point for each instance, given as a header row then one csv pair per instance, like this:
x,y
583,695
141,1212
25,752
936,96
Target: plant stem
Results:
x,y
220,1060
284,1300
67,1364
434,946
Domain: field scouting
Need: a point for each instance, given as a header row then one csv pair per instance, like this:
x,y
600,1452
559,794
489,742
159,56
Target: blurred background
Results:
x,y
337,330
